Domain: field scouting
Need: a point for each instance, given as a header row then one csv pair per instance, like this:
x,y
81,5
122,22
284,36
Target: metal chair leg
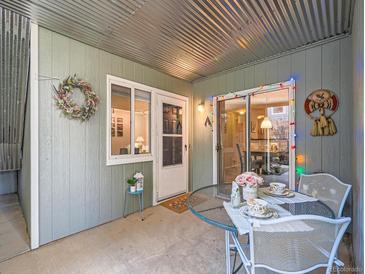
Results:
x,y
228,253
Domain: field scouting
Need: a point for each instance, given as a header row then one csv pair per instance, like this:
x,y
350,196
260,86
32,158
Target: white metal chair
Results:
x,y
326,188
293,244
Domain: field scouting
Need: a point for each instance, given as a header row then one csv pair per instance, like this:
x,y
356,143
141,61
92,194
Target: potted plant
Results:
x,y
132,184
249,181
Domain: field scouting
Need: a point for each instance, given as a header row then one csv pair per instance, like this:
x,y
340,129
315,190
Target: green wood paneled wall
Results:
x,y
325,66
77,190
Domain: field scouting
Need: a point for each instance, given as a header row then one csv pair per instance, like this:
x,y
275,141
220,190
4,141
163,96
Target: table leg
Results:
x,y
140,198
228,252
142,207
125,202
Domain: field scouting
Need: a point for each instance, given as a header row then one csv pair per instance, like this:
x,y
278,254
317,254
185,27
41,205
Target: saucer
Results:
x,y
245,212
286,193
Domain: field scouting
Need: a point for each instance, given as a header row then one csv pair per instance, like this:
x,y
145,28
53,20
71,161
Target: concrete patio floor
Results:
x,y
165,242
13,229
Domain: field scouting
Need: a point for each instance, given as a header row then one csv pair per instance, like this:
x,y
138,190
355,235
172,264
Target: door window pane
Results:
x,y
270,143
120,120
172,150
172,119
142,121
231,139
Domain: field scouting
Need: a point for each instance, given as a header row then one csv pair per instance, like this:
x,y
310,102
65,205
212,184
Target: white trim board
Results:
x,y
34,158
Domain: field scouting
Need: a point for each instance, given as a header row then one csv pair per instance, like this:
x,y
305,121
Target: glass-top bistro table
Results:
x,y
207,204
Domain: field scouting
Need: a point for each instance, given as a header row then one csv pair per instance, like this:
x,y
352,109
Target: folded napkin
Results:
x,y
298,198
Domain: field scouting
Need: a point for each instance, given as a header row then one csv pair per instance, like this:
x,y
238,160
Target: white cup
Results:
x,y
277,187
257,206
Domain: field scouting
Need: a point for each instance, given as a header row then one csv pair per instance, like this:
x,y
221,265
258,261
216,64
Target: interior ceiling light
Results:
x,y
266,123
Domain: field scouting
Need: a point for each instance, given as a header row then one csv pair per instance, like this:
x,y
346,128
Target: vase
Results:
x,y
249,192
132,188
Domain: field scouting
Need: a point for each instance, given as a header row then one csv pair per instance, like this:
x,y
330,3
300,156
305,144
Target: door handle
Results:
x,y
218,147
186,148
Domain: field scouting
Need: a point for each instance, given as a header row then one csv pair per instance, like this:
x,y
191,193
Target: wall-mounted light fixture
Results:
x,y
201,107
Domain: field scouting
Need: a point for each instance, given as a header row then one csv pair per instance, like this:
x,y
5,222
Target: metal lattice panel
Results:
x,y
14,66
191,38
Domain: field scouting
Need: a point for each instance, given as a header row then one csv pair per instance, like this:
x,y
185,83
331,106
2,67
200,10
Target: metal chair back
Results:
x,y
295,244
326,188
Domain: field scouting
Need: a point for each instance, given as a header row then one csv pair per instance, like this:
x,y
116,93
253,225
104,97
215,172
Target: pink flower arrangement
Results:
x,y
250,179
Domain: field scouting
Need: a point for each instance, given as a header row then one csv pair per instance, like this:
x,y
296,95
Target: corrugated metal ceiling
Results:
x,y
190,39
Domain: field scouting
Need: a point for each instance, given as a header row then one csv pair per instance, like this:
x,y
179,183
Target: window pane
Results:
x,y
121,120
270,142
231,139
172,150
172,119
142,120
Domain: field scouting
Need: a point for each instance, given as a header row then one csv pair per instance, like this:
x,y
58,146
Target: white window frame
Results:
x,y
128,158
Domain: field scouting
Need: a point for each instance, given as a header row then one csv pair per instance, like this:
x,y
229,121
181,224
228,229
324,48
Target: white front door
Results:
x,y
171,147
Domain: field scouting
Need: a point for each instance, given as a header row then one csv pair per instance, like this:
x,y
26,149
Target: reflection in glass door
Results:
x,y
231,139
269,141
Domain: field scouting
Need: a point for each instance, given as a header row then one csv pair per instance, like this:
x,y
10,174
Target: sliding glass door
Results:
x,y
254,132
231,145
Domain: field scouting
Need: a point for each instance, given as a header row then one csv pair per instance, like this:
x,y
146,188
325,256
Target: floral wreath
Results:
x,y
65,102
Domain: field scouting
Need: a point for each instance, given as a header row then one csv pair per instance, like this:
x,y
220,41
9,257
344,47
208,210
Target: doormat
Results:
x,y
179,204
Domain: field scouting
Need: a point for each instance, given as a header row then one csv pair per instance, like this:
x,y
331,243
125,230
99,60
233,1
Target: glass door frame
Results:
x,y
290,85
